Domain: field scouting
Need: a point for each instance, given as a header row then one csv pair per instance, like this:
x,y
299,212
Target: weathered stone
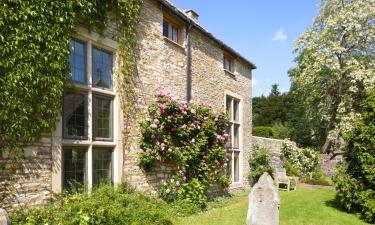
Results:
x,y
4,219
264,203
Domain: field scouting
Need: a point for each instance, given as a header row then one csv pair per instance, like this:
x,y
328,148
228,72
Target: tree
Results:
x,y
271,109
355,181
336,65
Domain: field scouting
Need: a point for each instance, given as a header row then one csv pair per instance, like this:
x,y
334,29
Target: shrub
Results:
x,y
281,130
262,131
191,136
317,178
302,161
355,180
105,205
259,163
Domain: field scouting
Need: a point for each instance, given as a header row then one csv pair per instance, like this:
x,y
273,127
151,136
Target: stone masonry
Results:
x,y
161,64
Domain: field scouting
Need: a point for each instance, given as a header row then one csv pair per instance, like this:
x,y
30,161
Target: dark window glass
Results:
x,y
236,136
74,167
102,68
236,115
74,115
102,165
174,34
236,162
228,106
229,164
102,117
165,28
77,59
227,64
228,130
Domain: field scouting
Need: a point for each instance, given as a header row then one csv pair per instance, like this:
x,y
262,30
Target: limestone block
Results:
x,y
264,203
4,219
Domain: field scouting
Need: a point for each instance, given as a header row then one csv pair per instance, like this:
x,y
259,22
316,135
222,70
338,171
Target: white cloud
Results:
x,y
279,35
255,82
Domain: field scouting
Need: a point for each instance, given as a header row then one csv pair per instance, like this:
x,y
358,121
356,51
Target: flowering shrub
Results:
x,y
190,135
304,160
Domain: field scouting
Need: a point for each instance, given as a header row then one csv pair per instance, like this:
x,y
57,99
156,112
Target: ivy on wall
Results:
x,y
34,65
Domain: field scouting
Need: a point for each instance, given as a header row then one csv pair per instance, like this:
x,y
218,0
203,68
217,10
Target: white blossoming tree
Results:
x,y
336,65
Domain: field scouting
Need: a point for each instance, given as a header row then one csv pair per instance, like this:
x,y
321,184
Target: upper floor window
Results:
x,y
228,62
172,29
77,59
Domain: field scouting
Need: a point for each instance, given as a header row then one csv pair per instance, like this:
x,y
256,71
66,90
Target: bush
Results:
x,y
355,180
281,130
193,137
317,178
259,163
290,169
302,161
105,205
262,131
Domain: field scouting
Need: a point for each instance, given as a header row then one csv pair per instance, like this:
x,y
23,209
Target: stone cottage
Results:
x,y
88,146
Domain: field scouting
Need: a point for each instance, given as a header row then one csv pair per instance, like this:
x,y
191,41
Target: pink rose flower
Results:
x,y
156,121
193,111
153,126
177,183
168,191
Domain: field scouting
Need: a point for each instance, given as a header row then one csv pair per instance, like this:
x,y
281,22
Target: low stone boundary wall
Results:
x,y
274,146
328,165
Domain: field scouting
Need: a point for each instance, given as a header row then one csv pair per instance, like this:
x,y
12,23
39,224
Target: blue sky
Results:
x,y
264,31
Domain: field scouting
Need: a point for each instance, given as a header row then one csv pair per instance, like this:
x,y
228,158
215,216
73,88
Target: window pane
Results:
x,y
236,136
174,34
77,59
228,130
102,117
102,165
229,164
228,106
236,165
165,28
74,115
102,68
236,110
227,63
74,168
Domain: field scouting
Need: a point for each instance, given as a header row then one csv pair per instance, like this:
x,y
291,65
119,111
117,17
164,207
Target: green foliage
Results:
x,y
262,131
290,169
281,130
317,178
271,109
190,136
105,205
355,181
336,67
34,63
302,161
259,163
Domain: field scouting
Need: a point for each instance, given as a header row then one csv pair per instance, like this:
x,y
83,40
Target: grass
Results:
x,y
301,207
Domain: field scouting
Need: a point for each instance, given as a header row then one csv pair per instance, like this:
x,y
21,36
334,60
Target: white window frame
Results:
x,y
91,39
231,150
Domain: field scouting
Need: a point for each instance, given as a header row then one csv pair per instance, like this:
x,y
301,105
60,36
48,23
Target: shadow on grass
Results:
x,y
335,203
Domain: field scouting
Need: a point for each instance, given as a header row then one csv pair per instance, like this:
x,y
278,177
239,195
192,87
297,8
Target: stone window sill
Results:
x,y
174,43
230,73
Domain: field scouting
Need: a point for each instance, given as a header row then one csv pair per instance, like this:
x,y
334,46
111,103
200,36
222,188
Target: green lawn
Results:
x,y
301,207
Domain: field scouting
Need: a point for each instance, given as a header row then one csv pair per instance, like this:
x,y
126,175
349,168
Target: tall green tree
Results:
x,y
271,109
336,65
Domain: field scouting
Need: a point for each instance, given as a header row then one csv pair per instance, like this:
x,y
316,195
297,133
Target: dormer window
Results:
x,y
172,29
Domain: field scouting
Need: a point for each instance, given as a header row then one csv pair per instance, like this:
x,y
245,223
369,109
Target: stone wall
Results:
x,y
274,147
328,165
161,64
32,182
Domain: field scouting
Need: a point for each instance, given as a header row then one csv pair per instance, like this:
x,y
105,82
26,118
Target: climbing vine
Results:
x,y
34,65
191,136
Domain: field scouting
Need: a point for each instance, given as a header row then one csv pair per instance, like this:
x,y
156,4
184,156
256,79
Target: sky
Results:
x,y
263,31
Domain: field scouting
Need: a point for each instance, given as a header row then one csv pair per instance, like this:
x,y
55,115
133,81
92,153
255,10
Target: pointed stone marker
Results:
x,y
264,202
